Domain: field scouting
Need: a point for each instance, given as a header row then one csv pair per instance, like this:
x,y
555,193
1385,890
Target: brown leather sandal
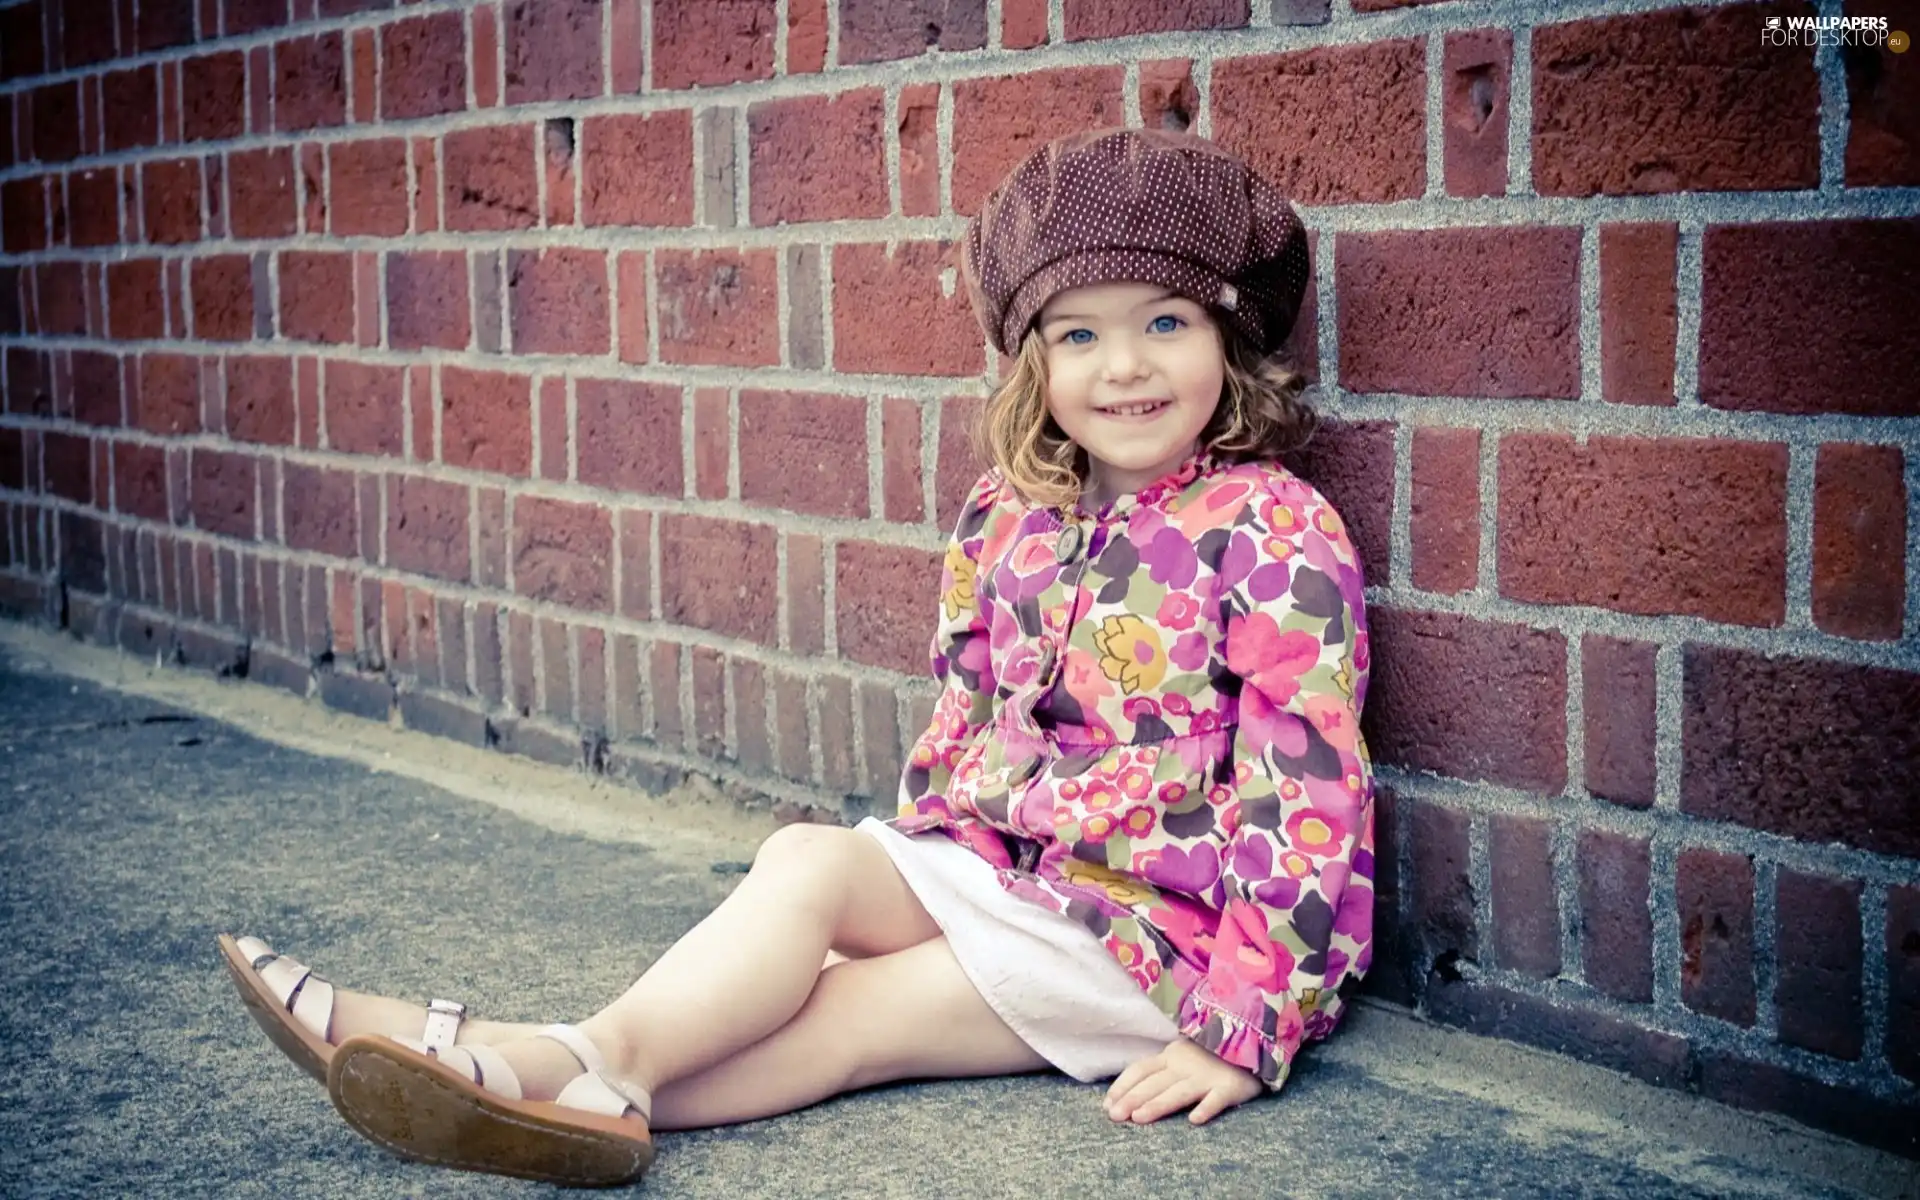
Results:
x,y
462,1107
295,1007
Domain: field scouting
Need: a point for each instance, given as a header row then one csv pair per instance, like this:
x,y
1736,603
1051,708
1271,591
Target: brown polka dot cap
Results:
x,y
1139,205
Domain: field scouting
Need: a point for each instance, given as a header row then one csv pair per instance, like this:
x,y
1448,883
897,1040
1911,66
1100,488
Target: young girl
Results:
x,y
1136,838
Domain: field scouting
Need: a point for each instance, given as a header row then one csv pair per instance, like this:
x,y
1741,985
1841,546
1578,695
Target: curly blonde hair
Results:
x,y
1261,415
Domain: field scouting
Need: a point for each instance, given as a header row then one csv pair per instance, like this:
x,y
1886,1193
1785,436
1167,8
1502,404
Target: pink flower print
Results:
x,y
1139,822
1176,704
1316,833
1270,658
1182,921
1205,722
1097,828
1229,819
1328,522
1135,782
1283,516
1191,872
1140,706
1295,865
1172,792
1021,666
1178,611
1362,654
1189,652
1245,954
1100,795
1034,554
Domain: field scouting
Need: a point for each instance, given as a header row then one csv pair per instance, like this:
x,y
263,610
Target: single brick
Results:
x,y
1679,100
364,407
1859,541
367,194
1526,903
213,94
93,207
486,420
1168,98
1903,980
793,451
261,185
1858,275
490,183
170,190
167,400
1715,892
1001,120
712,443
223,307
1023,24
1883,105
1445,521
806,594
1359,114
559,301
1761,734
697,45
900,460
718,307
424,62
1728,562
637,169
818,158
1442,914
1502,311
1477,67
1638,312
1817,943
713,576
885,30
883,596
260,400
879,289
1516,736
130,109
427,300
553,50
320,510
427,527
630,436
221,493
563,553
310,83
1616,922
1617,689
1087,20
316,296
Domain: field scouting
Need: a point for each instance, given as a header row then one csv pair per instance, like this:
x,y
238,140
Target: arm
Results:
x,y
1297,854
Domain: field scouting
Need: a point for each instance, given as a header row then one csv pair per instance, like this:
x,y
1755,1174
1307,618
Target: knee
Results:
x,y
810,847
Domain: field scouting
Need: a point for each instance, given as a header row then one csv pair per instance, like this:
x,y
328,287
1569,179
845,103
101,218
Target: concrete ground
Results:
x,y
146,811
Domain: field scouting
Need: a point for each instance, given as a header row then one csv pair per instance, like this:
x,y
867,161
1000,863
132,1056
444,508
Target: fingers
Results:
x,y
1178,1094
1131,1077
1211,1105
1121,1105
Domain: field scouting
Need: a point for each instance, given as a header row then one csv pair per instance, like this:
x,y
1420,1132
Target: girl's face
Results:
x,y
1134,373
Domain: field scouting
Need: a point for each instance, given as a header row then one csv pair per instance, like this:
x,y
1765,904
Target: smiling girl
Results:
x,y
1135,841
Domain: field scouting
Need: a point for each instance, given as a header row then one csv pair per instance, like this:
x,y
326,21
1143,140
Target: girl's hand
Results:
x,y
1181,1076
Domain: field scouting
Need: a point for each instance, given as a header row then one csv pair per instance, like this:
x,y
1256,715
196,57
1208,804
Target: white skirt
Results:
x,y
1045,974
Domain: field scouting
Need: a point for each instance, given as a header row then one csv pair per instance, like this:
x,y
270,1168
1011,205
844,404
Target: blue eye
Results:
x,y
1078,337
1166,323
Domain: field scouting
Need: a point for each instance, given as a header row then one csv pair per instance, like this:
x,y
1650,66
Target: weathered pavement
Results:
x,y
142,819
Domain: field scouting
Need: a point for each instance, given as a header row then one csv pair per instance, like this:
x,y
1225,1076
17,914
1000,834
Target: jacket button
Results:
x,y
1068,547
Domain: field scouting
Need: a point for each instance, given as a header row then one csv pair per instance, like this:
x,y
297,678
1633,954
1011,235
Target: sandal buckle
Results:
x,y
443,1023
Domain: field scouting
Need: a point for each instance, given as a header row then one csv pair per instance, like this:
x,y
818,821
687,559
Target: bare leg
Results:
x,y
746,970
906,1015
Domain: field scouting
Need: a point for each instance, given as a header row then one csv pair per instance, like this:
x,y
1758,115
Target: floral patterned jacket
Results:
x,y
1150,722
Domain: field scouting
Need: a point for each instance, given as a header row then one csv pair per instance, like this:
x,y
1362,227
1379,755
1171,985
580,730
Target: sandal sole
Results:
x,y
309,1053
421,1110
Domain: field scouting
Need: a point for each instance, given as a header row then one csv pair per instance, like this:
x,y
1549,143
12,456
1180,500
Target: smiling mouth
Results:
x,y
1145,408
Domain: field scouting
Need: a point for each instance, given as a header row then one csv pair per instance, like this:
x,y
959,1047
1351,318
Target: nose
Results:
x,y
1123,361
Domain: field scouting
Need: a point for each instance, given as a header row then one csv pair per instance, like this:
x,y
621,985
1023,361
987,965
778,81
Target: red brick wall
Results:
x,y
588,378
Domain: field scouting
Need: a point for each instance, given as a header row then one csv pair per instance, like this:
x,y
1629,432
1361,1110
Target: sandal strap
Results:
x,y
481,1064
604,1094
443,1022
306,996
